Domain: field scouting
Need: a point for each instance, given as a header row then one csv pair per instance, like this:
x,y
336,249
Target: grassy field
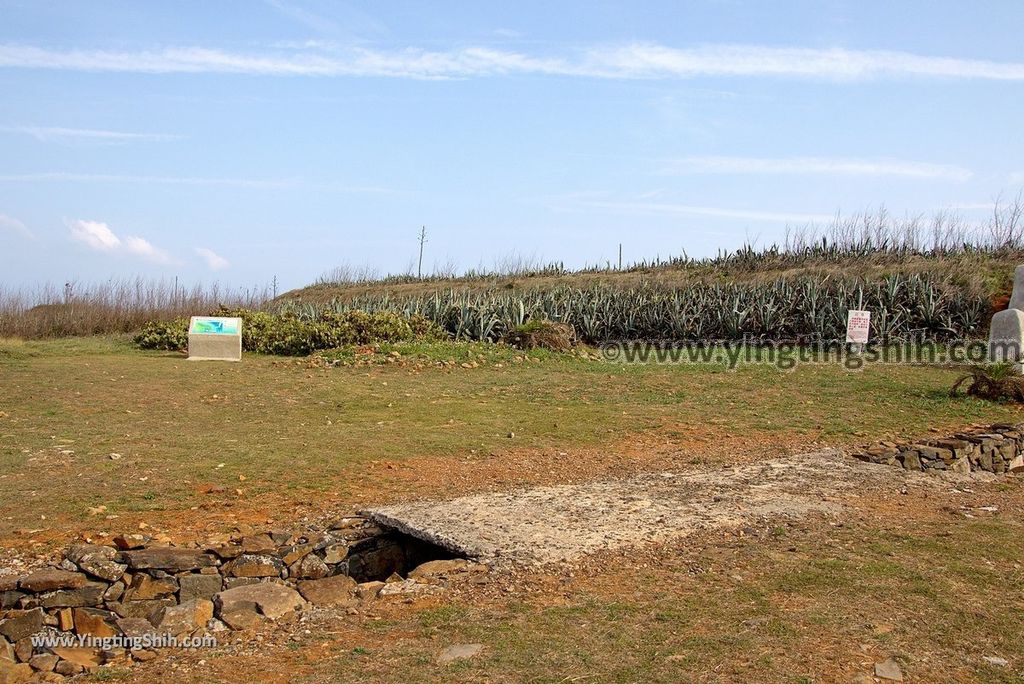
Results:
x,y
269,435
932,581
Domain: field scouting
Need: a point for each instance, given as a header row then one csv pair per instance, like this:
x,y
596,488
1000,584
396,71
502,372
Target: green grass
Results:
x,y
296,431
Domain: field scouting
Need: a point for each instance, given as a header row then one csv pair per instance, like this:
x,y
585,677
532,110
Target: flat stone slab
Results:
x,y
562,523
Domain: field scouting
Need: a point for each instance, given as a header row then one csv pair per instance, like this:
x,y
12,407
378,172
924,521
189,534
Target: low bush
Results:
x,y
289,335
542,334
994,381
171,336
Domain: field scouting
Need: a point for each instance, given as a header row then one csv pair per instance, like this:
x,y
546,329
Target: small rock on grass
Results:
x,y
889,670
996,661
459,652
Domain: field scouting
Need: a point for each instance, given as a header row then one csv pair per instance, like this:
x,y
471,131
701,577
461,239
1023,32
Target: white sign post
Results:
x,y
858,326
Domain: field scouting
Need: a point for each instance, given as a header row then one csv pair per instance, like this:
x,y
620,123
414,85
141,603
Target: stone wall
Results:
x,y
133,594
996,449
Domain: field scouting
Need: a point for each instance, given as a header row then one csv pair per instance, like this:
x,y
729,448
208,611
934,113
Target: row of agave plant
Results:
x,y
902,307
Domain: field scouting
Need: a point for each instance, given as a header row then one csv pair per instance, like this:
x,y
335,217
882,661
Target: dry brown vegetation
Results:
x,y
111,307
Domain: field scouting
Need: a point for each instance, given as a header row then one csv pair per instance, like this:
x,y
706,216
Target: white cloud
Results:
x,y
215,261
819,165
633,61
716,212
52,133
9,223
99,236
144,248
94,234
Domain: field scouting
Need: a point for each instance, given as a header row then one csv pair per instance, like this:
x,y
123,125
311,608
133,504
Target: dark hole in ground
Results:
x,y
377,558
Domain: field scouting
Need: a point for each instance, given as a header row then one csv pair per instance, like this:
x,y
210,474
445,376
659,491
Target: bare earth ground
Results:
x,y
835,567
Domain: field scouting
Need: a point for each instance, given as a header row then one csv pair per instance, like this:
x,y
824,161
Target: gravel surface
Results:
x,y
565,522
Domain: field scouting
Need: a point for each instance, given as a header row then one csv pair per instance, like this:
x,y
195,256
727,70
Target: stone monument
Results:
x,y
212,338
1006,336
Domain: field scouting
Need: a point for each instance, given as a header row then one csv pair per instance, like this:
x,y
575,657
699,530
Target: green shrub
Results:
x,y
172,336
288,334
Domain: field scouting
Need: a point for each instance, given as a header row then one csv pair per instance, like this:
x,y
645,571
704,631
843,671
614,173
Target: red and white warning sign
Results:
x,y
858,325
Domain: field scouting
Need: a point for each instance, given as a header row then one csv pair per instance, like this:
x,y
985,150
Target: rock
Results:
x,y
335,553
258,544
103,568
65,619
459,652
44,662
198,587
186,617
239,605
95,622
348,523
21,623
9,599
911,461
89,595
125,542
11,673
310,567
1006,335
227,551
996,661
280,537
136,628
890,670
114,592
143,655
961,465
232,582
150,610
338,590
8,582
367,591
1017,293
169,559
408,587
144,588
67,668
6,650
440,568
249,565
76,552
49,579
293,554
23,650
85,658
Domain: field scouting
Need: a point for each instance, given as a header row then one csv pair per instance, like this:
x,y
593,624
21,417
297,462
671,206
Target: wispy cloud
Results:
x,y
51,133
715,212
303,16
13,225
632,61
61,176
100,237
213,260
68,177
818,165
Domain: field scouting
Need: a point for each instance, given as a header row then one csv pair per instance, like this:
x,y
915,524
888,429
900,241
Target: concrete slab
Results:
x,y
562,523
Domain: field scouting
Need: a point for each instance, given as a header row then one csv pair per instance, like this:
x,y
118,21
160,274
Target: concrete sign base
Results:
x,y
214,339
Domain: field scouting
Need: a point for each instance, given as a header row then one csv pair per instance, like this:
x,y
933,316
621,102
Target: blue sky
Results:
x,y
236,141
